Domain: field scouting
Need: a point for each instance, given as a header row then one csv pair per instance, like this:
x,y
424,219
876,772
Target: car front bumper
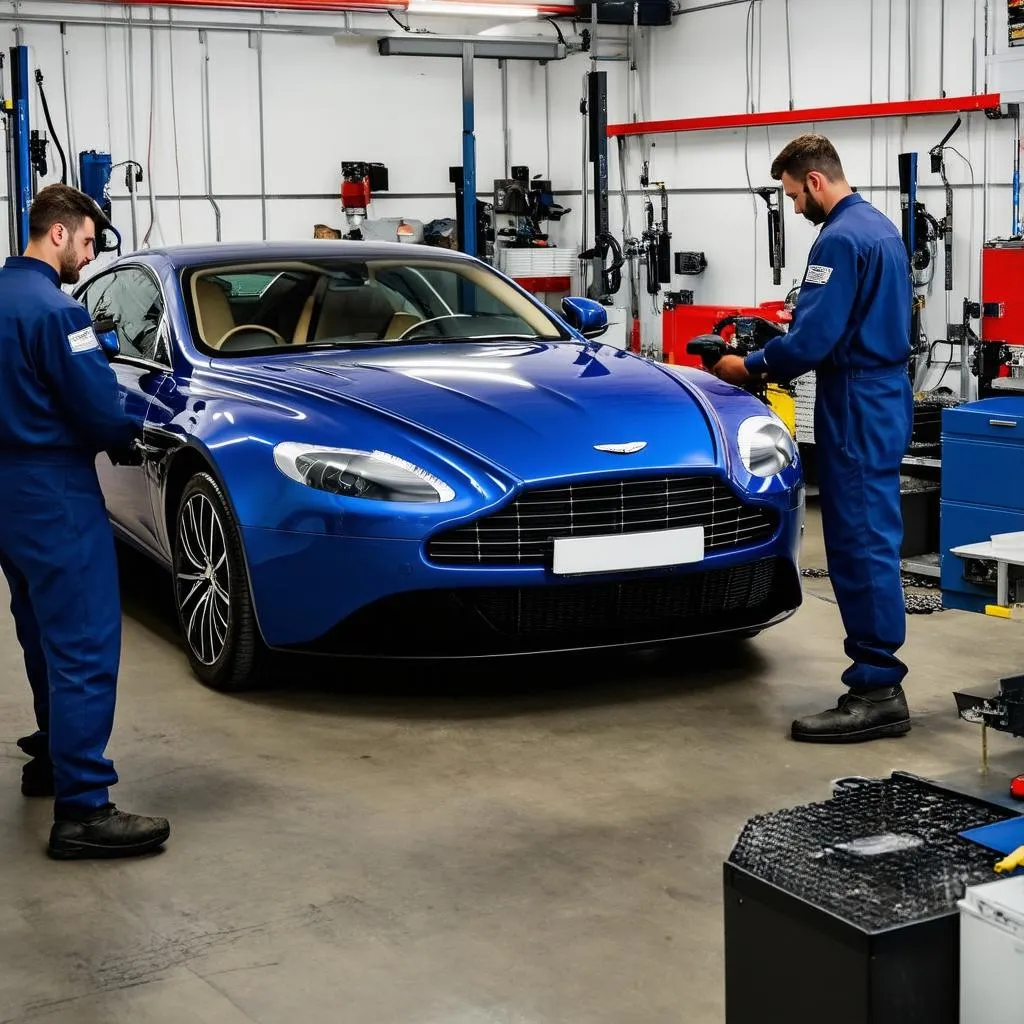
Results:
x,y
372,596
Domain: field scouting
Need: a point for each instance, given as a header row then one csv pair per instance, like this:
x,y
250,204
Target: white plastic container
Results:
x,y
992,953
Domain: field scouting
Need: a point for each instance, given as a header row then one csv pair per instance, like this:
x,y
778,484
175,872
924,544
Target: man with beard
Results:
x,y
61,407
851,325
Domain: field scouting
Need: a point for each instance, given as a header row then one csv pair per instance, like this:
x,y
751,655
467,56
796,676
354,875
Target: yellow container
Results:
x,y
783,403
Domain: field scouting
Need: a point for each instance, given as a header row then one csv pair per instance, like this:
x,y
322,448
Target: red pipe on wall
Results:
x,y
313,6
321,6
902,108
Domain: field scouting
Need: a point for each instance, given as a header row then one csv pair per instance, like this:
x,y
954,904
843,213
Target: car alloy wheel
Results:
x,y
202,579
211,589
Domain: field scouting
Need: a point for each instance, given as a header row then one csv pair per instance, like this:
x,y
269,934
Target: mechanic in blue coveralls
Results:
x,y
852,326
61,407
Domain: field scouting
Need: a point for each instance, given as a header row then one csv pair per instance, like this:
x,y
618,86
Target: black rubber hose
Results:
x,y
53,131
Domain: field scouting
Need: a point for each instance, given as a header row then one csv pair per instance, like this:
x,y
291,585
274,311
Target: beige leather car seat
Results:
x,y
400,323
362,312
212,311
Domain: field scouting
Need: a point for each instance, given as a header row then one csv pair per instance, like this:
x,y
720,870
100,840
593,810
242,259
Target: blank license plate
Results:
x,y
619,552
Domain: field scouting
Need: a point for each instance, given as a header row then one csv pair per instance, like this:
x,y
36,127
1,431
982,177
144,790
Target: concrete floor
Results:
x,y
522,845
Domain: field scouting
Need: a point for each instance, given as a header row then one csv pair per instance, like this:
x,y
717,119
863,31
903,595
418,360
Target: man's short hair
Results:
x,y
808,153
62,204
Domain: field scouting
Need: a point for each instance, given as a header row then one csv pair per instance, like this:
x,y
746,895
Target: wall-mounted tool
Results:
x,y
939,167
37,157
776,231
527,203
656,239
691,263
920,232
359,181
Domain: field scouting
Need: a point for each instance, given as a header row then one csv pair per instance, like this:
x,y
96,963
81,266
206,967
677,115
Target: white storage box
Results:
x,y
992,952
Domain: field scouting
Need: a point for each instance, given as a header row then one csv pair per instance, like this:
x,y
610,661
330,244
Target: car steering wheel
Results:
x,y
247,328
411,331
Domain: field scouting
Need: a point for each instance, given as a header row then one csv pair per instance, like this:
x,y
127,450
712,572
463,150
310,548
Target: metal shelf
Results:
x,y
922,565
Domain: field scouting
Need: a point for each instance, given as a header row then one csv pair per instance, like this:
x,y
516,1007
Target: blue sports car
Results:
x,y
394,450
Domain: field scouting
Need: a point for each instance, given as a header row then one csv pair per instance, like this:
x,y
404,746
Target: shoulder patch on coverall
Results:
x,y
817,274
83,340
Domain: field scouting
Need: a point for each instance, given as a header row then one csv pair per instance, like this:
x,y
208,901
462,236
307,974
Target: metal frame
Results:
x,y
467,48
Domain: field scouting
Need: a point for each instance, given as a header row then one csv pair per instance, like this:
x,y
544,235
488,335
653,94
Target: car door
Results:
x,y
131,297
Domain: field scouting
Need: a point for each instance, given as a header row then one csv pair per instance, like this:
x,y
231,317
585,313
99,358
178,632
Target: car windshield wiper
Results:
x,y
459,340
388,342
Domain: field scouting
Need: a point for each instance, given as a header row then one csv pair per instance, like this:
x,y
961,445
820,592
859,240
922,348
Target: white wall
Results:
x,y
330,99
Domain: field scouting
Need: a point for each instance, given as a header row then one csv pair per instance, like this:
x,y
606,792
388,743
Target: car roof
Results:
x,y
183,256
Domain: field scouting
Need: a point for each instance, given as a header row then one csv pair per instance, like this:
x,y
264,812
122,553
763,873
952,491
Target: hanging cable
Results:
x,y
53,131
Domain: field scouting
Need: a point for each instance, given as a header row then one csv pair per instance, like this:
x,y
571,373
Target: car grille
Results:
x,y
474,621
654,604
522,533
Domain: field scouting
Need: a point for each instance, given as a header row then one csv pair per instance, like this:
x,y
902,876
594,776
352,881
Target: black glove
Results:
x,y
130,454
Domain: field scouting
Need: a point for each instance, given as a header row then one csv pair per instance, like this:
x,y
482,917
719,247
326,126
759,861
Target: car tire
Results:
x,y
211,590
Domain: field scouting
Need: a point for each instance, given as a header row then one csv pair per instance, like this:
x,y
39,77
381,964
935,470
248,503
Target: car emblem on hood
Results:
x,y
625,448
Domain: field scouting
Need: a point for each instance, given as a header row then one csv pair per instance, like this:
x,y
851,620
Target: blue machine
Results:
x,y
94,173
982,493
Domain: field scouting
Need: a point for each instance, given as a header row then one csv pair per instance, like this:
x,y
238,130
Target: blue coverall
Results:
x,y
851,325
61,406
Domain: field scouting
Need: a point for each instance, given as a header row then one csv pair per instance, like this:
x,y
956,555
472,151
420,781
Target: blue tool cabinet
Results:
x,y
982,487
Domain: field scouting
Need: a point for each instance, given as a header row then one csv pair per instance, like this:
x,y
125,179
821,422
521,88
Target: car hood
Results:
x,y
536,410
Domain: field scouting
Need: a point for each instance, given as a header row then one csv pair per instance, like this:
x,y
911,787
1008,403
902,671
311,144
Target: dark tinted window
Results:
x,y
131,298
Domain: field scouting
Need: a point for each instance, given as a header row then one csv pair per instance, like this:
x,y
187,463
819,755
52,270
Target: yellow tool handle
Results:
x,y
1012,862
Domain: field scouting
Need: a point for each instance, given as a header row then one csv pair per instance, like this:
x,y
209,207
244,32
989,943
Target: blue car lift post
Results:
x,y
18,129
468,154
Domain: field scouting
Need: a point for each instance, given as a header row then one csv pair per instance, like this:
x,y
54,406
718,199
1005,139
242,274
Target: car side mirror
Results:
x,y
590,318
106,335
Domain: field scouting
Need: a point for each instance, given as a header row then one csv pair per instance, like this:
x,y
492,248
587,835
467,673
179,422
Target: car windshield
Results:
x,y
332,303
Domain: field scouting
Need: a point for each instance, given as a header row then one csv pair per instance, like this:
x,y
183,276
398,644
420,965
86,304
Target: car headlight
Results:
x,y
359,474
766,446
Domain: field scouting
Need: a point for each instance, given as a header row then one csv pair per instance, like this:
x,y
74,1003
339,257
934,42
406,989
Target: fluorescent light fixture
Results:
x,y
469,9
410,44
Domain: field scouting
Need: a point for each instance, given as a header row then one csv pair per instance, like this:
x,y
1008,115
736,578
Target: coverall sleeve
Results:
x,y
822,313
83,382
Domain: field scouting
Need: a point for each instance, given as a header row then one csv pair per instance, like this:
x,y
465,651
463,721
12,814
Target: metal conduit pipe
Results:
x,y
204,41
505,137
942,48
69,126
262,120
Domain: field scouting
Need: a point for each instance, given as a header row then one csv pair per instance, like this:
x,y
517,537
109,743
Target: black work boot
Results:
x,y
860,714
37,775
106,832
